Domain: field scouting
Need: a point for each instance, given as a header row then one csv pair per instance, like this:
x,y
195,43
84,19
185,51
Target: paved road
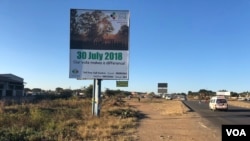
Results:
x,y
234,115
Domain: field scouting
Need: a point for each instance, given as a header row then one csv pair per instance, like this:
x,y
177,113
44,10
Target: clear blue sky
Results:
x,y
189,44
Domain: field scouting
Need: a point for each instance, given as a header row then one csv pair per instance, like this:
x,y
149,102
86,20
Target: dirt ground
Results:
x,y
169,120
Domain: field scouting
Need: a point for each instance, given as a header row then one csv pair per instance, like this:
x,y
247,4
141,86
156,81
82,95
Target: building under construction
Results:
x,y
11,85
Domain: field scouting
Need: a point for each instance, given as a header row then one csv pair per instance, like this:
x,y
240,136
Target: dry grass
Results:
x,y
167,107
107,128
2,105
163,106
110,125
170,107
239,103
59,120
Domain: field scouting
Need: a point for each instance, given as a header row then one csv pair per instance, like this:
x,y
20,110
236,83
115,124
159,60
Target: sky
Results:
x,y
189,44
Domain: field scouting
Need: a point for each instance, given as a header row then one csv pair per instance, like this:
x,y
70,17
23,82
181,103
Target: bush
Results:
x,y
124,113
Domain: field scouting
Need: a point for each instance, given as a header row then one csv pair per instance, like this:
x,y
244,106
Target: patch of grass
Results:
x,y
67,119
2,105
123,113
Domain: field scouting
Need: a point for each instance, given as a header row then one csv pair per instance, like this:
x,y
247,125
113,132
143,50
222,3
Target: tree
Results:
x,y
184,94
123,33
36,90
59,90
67,93
94,25
190,92
74,27
109,92
234,94
104,26
27,89
151,93
89,91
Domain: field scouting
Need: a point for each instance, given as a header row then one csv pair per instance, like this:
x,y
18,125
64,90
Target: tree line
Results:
x,y
86,91
204,93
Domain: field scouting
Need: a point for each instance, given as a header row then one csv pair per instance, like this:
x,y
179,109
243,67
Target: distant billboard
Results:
x,y
223,93
121,83
99,44
162,85
162,91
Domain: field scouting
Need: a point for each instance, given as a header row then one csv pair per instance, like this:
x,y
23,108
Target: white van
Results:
x,y
218,103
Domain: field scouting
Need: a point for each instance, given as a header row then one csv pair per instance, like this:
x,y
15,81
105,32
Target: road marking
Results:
x,y
215,132
201,124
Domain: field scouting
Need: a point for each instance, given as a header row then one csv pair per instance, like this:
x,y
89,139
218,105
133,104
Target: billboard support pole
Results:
x,y
93,98
96,104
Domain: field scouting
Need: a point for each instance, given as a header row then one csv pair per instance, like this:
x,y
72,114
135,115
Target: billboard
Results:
x,y
162,85
223,93
99,44
121,83
162,91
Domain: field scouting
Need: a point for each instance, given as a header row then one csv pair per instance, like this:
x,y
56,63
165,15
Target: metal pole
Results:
x,y
93,98
97,97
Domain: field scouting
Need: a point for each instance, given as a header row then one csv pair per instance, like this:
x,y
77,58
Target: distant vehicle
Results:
x,y
168,97
183,98
218,103
242,99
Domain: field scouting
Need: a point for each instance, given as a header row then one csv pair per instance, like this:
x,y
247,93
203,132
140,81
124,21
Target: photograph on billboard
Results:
x,y
99,44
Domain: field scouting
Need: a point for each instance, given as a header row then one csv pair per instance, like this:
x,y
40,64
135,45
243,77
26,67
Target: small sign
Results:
x,y
121,83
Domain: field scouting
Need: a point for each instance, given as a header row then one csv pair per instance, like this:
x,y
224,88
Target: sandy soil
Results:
x,y
171,121
239,103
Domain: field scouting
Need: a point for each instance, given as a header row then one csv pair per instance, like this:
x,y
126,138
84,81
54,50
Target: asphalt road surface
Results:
x,y
234,115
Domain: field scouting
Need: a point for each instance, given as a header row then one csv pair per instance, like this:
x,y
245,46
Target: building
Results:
x,y
11,85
